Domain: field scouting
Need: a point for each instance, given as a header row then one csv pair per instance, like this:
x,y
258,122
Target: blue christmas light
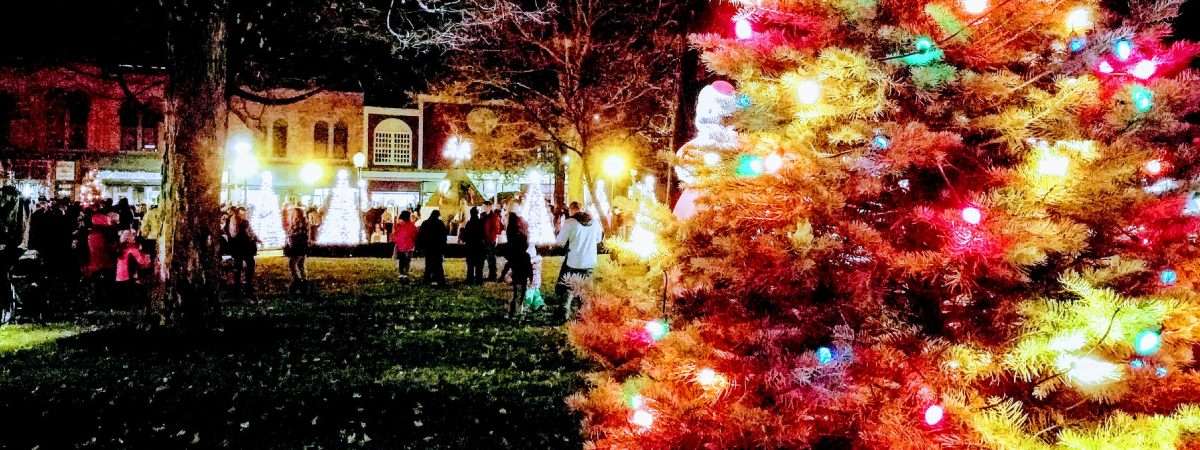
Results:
x,y
1168,277
1143,99
749,166
1137,364
824,355
743,101
1161,372
1147,342
1077,44
1123,48
881,142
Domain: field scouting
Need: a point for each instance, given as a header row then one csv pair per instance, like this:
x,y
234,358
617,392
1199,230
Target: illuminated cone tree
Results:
x,y
944,224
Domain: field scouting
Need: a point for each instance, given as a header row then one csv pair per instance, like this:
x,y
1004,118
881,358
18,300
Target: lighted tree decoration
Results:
x,y
342,224
947,224
536,213
265,216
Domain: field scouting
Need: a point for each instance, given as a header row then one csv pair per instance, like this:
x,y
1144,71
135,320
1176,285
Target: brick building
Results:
x,y
60,126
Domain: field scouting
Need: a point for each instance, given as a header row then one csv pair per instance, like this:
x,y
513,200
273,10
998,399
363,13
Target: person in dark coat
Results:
x,y
296,247
243,247
474,242
517,254
431,241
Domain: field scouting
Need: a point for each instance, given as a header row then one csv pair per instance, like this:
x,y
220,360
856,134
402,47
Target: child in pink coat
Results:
x,y
130,258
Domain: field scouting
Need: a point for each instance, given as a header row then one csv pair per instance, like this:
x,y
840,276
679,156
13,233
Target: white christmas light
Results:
x,y
706,377
808,92
972,215
1153,167
1088,370
711,159
1053,164
1144,69
743,28
642,418
975,7
934,415
457,149
1105,67
772,163
1079,19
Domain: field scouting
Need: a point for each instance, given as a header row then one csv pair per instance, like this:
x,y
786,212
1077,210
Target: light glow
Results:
x,y
706,377
808,92
312,172
972,215
1144,69
772,163
1079,19
1053,164
934,415
1123,49
1105,67
974,7
614,166
1088,370
743,28
657,329
1153,167
1147,342
642,418
711,159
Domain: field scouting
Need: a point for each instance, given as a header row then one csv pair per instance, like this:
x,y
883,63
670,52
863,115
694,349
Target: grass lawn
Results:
x,y
364,363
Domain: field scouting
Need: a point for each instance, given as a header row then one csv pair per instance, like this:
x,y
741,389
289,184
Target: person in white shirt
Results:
x,y
581,236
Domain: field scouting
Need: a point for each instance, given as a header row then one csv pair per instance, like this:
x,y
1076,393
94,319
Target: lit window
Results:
x,y
393,140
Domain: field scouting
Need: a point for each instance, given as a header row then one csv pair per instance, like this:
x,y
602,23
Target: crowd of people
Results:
x,y
109,247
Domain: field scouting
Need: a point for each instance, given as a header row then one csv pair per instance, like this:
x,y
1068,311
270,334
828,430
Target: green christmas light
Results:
x,y
749,166
926,52
1143,99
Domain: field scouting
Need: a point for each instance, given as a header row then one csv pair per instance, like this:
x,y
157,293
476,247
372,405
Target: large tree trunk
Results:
x,y
190,202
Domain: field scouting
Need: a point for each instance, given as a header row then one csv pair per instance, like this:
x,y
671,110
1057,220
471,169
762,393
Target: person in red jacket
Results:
x,y
404,236
492,227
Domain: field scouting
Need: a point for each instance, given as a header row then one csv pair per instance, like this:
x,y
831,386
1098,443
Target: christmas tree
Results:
x,y
944,224
341,224
535,212
265,218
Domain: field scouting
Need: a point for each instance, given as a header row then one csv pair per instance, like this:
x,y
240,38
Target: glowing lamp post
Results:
x,y
311,173
360,161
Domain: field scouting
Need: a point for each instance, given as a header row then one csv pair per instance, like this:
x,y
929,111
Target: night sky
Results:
x,y
132,32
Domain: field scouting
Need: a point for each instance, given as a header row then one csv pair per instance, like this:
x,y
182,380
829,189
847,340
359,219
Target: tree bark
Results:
x,y
192,159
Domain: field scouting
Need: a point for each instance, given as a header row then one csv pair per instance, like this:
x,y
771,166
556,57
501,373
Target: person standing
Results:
x,y
243,247
431,239
493,226
581,236
295,248
517,255
101,262
130,259
404,237
474,242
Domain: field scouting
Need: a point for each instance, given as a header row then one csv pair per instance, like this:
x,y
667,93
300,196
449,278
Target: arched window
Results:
x,y
67,119
279,138
8,113
393,141
320,147
341,140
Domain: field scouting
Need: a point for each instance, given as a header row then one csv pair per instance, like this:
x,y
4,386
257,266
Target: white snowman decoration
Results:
x,y
717,101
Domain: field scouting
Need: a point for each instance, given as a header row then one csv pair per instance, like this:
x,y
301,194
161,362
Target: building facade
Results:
x,y
72,129
65,129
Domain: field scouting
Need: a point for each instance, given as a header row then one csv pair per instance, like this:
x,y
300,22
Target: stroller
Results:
x,y
25,288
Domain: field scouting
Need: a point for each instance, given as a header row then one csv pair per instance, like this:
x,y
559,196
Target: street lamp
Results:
x,y
614,166
311,172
